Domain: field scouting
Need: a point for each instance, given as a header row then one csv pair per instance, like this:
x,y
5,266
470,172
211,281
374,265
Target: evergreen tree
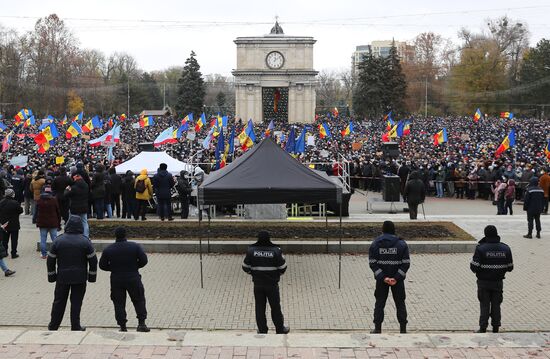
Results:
x,y
191,88
153,98
369,91
396,85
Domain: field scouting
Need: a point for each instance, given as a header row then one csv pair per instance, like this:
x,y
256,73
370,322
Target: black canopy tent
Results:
x,y
268,174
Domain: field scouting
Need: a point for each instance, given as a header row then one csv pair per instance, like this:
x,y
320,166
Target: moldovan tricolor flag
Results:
x,y
440,137
547,150
324,131
509,141
200,122
347,130
165,137
73,130
477,115
146,121
269,130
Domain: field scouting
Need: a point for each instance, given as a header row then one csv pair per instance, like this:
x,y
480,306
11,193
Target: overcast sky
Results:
x,y
161,33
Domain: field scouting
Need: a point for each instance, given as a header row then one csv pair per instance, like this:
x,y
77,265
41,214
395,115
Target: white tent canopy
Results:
x,y
151,161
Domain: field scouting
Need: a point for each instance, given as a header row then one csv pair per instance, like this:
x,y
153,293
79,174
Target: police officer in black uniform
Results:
x,y
123,259
265,262
389,260
492,259
71,260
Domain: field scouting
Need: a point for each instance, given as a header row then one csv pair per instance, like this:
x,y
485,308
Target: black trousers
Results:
x,y
533,218
381,294
134,288
164,208
270,293
115,203
141,208
184,201
509,206
546,200
61,294
14,235
413,210
489,294
63,208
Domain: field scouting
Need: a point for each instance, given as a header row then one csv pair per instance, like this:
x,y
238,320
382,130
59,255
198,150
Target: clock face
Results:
x,y
275,60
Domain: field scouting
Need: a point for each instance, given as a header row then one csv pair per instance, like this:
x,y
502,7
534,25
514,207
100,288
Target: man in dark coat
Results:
x,y
265,262
128,195
162,184
533,204
48,218
10,210
389,260
71,261
116,189
414,193
60,183
97,191
18,183
77,194
184,191
124,259
492,260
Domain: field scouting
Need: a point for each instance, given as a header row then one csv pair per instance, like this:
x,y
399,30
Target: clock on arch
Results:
x,y
275,60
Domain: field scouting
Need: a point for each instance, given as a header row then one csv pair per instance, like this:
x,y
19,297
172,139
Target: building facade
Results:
x,y
381,49
275,78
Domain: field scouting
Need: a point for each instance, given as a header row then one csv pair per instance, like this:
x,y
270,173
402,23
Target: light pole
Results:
x,y
426,99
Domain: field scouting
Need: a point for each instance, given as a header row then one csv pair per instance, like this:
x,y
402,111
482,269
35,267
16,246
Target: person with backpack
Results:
x,y
184,191
144,192
48,219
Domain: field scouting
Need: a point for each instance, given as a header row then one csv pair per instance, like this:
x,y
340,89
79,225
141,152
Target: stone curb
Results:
x,y
293,340
301,247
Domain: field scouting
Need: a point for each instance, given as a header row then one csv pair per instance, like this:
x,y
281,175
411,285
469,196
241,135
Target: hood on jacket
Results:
x,y
162,173
74,225
129,173
143,172
511,182
534,181
414,175
495,239
390,239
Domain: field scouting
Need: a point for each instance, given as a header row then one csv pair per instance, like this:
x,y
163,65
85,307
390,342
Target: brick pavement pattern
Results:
x,y
441,290
151,352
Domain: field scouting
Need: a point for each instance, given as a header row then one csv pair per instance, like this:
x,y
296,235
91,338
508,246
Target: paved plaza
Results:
x,y
441,290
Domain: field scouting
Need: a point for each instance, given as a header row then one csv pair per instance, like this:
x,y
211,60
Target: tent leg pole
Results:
x,y
340,252
326,227
208,238
200,252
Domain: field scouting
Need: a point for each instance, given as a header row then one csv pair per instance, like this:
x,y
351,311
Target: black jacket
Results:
x,y
389,257
183,187
18,183
162,184
116,183
123,259
78,194
492,259
533,202
414,192
128,190
98,186
72,254
10,209
59,185
265,262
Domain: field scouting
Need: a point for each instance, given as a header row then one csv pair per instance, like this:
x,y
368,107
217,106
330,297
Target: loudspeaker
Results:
x,y
390,149
391,188
146,147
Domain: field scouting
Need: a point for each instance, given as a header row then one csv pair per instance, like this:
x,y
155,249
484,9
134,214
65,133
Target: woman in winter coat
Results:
x,y
499,190
144,192
509,196
48,219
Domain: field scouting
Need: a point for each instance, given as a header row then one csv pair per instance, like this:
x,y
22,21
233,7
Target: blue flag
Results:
x,y
291,142
301,143
96,122
231,141
220,147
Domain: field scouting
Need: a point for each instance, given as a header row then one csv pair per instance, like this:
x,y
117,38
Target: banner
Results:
x,y
59,160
